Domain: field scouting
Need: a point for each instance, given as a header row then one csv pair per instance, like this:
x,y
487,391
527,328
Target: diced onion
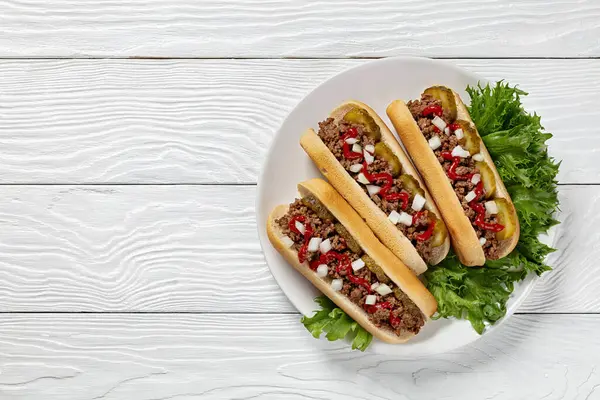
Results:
x,y
337,284
470,196
362,179
491,207
418,202
356,168
405,219
435,142
475,179
371,299
460,152
394,217
447,131
357,148
351,140
374,286
300,226
287,242
383,289
325,246
437,121
322,270
459,133
478,157
358,264
370,148
373,189
369,158
313,244
482,240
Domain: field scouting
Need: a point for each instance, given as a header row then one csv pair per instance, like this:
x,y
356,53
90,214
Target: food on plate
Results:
x,y
517,142
444,144
329,243
362,159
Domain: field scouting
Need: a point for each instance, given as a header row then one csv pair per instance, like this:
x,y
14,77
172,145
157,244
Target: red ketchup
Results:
x,y
394,321
480,220
454,126
479,190
446,155
344,264
371,309
350,155
389,181
308,232
428,232
432,109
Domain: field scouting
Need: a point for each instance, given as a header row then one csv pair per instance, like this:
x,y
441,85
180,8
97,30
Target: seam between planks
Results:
x,y
258,313
242,184
160,58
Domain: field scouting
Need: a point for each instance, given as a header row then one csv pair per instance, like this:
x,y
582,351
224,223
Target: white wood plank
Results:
x,y
275,28
195,248
159,357
152,248
192,121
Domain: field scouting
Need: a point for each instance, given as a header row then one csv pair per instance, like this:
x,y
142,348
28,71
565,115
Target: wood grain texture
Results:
x,y
150,248
211,121
160,357
195,249
277,28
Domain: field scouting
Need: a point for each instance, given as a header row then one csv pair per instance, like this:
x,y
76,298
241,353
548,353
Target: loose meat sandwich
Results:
x,y
330,244
362,159
444,144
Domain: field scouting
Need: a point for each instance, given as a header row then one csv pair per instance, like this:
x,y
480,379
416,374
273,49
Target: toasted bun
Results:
x,y
464,238
401,275
377,220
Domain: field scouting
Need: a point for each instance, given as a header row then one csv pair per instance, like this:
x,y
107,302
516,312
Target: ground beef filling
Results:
x,y
467,166
407,317
331,132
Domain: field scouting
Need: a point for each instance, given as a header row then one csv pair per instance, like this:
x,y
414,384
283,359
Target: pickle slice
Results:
x,y
361,117
471,141
488,179
350,241
315,205
382,150
411,185
400,295
506,217
446,96
440,233
376,269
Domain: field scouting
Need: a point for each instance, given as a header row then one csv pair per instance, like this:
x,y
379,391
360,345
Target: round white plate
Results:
x,y
375,83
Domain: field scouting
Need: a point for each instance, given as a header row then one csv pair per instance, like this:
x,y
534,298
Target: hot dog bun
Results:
x,y
464,239
377,220
401,275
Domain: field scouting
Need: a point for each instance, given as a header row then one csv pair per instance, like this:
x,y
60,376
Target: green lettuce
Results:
x,y
517,142
337,324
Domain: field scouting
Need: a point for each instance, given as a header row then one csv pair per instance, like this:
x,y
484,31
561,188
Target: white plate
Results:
x,y
375,83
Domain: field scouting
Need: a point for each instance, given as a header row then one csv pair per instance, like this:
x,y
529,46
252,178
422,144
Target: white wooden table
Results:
x,y
131,136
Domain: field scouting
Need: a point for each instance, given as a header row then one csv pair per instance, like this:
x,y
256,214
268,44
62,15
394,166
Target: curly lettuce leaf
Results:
x,y
517,143
337,324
